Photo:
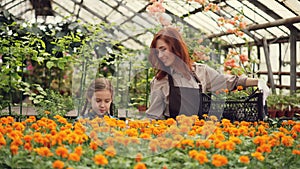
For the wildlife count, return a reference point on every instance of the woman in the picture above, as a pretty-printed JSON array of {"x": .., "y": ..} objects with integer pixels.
[{"x": 178, "y": 83}]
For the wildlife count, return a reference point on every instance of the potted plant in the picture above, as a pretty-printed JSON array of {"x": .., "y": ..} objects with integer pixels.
[
  {"x": 293, "y": 105},
  {"x": 272, "y": 102},
  {"x": 139, "y": 103}
]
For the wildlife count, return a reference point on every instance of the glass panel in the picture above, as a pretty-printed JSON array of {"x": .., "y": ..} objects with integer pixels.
[
  {"x": 98, "y": 7},
  {"x": 146, "y": 38},
  {"x": 277, "y": 8},
  {"x": 116, "y": 17},
  {"x": 135, "y": 5},
  {"x": 132, "y": 45},
  {"x": 294, "y": 5},
  {"x": 149, "y": 23},
  {"x": 125, "y": 11},
  {"x": 297, "y": 25}
]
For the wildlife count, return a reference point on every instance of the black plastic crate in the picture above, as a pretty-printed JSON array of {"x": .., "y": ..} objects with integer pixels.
[{"x": 245, "y": 109}]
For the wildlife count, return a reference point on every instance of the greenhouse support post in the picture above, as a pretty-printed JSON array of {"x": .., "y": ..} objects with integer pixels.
[
  {"x": 269, "y": 68},
  {"x": 293, "y": 61}
]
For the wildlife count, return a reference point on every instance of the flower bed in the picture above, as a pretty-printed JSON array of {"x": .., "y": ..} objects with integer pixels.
[{"x": 110, "y": 143}]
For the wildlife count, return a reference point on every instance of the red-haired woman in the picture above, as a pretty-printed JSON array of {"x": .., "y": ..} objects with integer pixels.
[{"x": 179, "y": 81}]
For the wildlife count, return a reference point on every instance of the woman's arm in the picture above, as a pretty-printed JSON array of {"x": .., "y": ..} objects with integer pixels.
[
  {"x": 251, "y": 82},
  {"x": 157, "y": 101},
  {"x": 215, "y": 80}
]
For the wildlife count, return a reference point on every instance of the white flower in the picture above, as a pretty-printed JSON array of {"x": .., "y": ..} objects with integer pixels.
[
  {"x": 109, "y": 50},
  {"x": 24, "y": 25},
  {"x": 10, "y": 32},
  {"x": 50, "y": 26},
  {"x": 42, "y": 27}
]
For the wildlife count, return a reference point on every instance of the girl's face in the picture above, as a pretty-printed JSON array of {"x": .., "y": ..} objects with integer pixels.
[
  {"x": 101, "y": 101},
  {"x": 164, "y": 53}
]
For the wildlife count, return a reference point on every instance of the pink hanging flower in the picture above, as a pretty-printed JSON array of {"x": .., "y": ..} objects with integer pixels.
[
  {"x": 229, "y": 63},
  {"x": 156, "y": 7},
  {"x": 164, "y": 21},
  {"x": 242, "y": 25},
  {"x": 243, "y": 58},
  {"x": 29, "y": 67}
]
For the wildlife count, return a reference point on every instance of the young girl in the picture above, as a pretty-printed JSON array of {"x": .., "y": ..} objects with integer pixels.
[{"x": 99, "y": 101}]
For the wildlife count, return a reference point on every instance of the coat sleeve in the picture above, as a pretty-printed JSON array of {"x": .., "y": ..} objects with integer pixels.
[
  {"x": 214, "y": 80},
  {"x": 157, "y": 100}
]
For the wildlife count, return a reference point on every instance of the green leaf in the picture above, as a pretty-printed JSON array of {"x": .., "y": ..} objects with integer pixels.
[
  {"x": 49, "y": 64},
  {"x": 35, "y": 101},
  {"x": 61, "y": 65},
  {"x": 40, "y": 59}
]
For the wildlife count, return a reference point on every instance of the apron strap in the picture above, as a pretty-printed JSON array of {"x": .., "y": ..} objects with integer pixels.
[{"x": 174, "y": 98}]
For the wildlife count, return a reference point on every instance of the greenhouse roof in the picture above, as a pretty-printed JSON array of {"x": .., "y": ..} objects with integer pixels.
[{"x": 273, "y": 20}]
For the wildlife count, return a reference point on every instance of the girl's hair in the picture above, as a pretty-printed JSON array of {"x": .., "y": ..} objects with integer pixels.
[
  {"x": 99, "y": 84},
  {"x": 178, "y": 47}
]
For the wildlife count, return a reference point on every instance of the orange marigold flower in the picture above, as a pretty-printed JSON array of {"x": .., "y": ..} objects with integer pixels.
[
  {"x": 4, "y": 120},
  {"x": 226, "y": 91},
  {"x": 201, "y": 158},
  {"x": 62, "y": 151},
  {"x": 2, "y": 140},
  {"x": 78, "y": 150},
  {"x": 100, "y": 159},
  {"x": 244, "y": 159},
  {"x": 296, "y": 152},
  {"x": 10, "y": 119},
  {"x": 110, "y": 151},
  {"x": 187, "y": 142},
  {"x": 240, "y": 87},
  {"x": 14, "y": 149},
  {"x": 93, "y": 145},
  {"x": 27, "y": 146},
  {"x": 219, "y": 160},
  {"x": 18, "y": 126},
  {"x": 58, "y": 164},
  {"x": 35, "y": 126},
  {"x": 236, "y": 140},
  {"x": 27, "y": 138},
  {"x": 287, "y": 141},
  {"x": 138, "y": 157},
  {"x": 170, "y": 121},
  {"x": 145, "y": 136},
  {"x": 193, "y": 153},
  {"x": 44, "y": 151},
  {"x": 47, "y": 112},
  {"x": 140, "y": 166},
  {"x": 264, "y": 148},
  {"x": 203, "y": 143},
  {"x": 258, "y": 156},
  {"x": 74, "y": 157}
]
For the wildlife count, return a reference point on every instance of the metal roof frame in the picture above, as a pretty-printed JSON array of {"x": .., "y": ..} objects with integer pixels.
[{"x": 191, "y": 9}]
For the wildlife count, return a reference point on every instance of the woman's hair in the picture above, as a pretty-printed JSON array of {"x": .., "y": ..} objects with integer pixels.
[
  {"x": 99, "y": 84},
  {"x": 178, "y": 47}
]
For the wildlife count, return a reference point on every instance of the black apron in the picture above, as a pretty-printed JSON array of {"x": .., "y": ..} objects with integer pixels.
[{"x": 184, "y": 100}]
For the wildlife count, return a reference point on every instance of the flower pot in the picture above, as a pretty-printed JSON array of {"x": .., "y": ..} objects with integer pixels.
[
  {"x": 280, "y": 113},
  {"x": 290, "y": 113},
  {"x": 272, "y": 113},
  {"x": 142, "y": 108}
]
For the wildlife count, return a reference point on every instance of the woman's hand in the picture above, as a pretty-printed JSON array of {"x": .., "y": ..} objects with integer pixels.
[{"x": 262, "y": 85}]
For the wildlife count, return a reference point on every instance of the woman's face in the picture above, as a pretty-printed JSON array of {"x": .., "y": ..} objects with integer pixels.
[
  {"x": 101, "y": 101},
  {"x": 164, "y": 53}
]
